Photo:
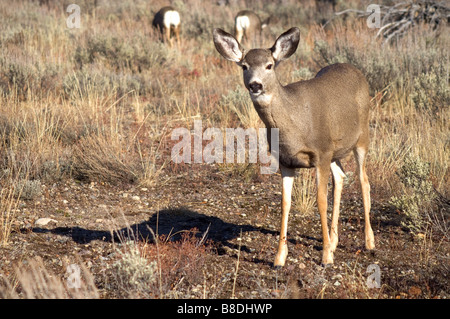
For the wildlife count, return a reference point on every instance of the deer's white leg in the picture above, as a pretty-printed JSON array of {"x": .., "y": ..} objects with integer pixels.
[
  {"x": 360, "y": 156},
  {"x": 288, "y": 181},
  {"x": 338, "y": 182},
  {"x": 322, "y": 190}
]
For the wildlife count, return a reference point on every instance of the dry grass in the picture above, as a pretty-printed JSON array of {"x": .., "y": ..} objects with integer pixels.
[
  {"x": 304, "y": 193},
  {"x": 8, "y": 205},
  {"x": 161, "y": 267}
]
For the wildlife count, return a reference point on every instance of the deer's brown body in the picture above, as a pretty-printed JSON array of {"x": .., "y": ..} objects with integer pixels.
[
  {"x": 320, "y": 121},
  {"x": 325, "y": 128}
]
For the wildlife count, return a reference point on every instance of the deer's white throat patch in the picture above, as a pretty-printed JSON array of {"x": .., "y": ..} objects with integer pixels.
[{"x": 262, "y": 98}]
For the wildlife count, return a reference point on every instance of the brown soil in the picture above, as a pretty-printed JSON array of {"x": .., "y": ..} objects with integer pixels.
[{"x": 241, "y": 220}]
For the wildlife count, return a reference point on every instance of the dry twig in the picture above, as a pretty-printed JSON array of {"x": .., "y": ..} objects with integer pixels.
[{"x": 399, "y": 18}]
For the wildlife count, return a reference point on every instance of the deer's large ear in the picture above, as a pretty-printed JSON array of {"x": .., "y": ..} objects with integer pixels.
[
  {"x": 228, "y": 46},
  {"x": 286, "y": 44}
]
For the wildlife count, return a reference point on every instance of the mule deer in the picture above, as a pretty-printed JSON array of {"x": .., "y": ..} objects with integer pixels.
[
  {"x": 320, "y": 122},
  {"x": 167, "y": 21},
  {"x": 248, "y": 26}
]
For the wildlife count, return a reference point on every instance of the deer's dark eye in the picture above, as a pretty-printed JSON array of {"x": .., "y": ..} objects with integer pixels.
[
  {"x": 269, "y": 66},
  {"x": 244, "y": 67}
]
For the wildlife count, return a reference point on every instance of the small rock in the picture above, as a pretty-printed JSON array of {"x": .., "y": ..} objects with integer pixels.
[
  {"x": 197, "y": 288},
  {"x": 136, "y": 198},
  {"x": 44, "y": 221},
  {"x": 337, "y": 277}
]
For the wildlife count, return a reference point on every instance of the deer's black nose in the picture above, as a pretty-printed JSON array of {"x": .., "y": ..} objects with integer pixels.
[{"x": 255, "y": 87}]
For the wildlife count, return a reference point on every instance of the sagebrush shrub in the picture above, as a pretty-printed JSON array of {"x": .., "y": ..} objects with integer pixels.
[
  {"x": 24, "y": 79},
  {"x": 431, "y": 91},
  {"x": 134, "y": 272},
  {"x": 419, "y": 194},
  {"x": 28, "y": 189}
]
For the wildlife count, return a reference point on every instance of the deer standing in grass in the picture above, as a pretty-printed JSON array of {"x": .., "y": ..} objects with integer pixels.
[
  {"x": 248, "y": 26},
  {"x": 320, "y": 122},
  {"x": 167, "y": 21}
]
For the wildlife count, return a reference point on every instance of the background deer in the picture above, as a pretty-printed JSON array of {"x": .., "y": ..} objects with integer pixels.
[
  {"x": 320, "y": 122},
  {"x": 167, "y": 21},
  {"x": 248, "y": 26}
]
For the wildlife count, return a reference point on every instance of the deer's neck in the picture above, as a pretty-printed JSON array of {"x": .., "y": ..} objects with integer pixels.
[{"x": 271, "y": 107}]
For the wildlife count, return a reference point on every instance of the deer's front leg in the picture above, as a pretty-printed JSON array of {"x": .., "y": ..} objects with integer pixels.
[
  {"x": 322, "y": 173},
  {"x": 288, "y": 181}
]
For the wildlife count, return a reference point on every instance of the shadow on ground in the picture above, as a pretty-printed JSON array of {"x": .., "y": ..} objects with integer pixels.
[{"x": 168, "y": 223}]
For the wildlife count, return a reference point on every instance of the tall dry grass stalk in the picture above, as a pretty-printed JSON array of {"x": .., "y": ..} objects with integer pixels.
[
  {"x": 304, "y": 192},
  {"x": 9, "y": 202}
]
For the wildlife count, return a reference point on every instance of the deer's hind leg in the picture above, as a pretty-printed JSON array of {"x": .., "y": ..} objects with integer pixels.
[
  {"x": 338, "y": 182},
  {"x": 360, "y": 157}
]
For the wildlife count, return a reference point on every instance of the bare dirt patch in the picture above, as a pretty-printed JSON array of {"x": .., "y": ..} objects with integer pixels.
[{"x": 231, "y": 228}]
